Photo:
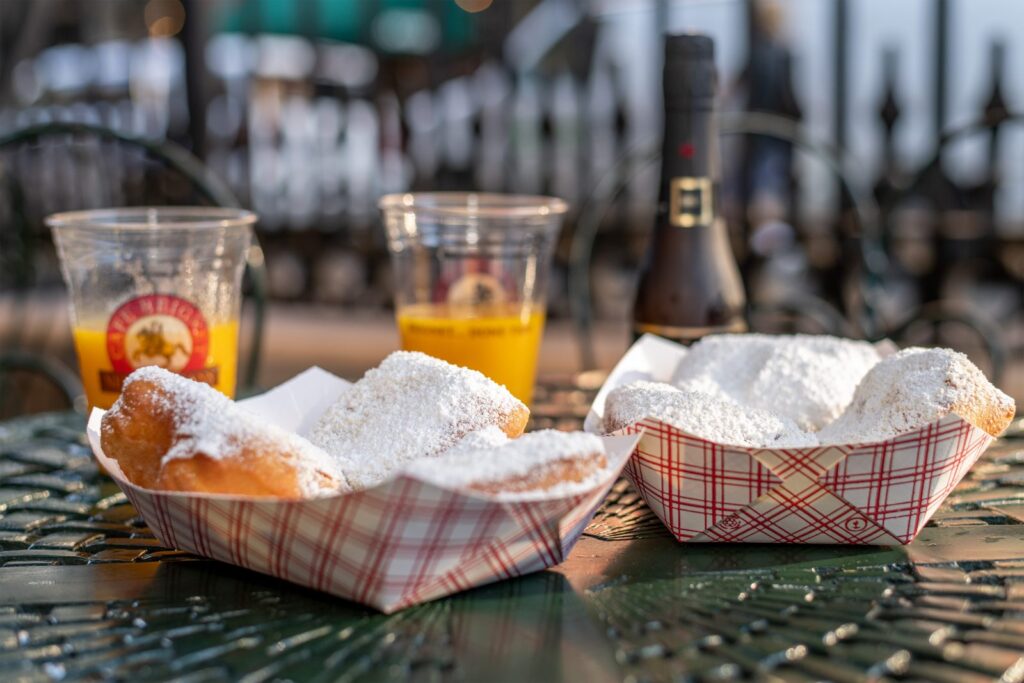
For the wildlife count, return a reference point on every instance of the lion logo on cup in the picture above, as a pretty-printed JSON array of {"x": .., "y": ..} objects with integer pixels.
[{"x": 150, "y": 345}]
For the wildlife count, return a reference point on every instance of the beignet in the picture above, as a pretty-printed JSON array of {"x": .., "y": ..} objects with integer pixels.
[{"x": 172, "y": 433}]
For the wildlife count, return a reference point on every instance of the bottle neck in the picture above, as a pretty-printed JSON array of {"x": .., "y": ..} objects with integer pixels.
[{"x": 689, "y": 167}]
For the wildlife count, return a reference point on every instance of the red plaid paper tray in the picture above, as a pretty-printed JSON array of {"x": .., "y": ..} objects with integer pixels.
[
  {"x": 403, "y": 542},
  {"x": 871, "y": 494}
]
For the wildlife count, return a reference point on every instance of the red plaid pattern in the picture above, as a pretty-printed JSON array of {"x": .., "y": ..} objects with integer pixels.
[
  {"x": 400, "y": 543},
  {"x": 391, "y": 546},
  {"x": 403, "y": 542},
  {"x": 881, "y": 493},
  {"x": 691, "y": 484},
  {"x": 900, "y": 483}
]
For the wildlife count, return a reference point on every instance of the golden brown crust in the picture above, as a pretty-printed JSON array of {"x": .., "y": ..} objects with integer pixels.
[
  {"x": 515, "y": 422},
  {"x": 990, "y": 415},
  {"x": 252, "y": 473},
  {"x": 144, "y": 427},
  {"x": 139, "y": 433},
  {"x": 567, "y": 470}
]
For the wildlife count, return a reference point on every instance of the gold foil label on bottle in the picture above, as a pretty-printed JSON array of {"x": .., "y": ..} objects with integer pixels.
[{"x": 689, "y": 202}]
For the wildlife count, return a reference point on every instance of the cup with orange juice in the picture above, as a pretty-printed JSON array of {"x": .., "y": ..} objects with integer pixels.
[
  {"x": 470, "y": 275},
  {"x": 153, "y": 286}
]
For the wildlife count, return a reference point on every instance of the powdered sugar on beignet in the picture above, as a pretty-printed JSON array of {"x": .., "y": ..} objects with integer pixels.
[
  {"x": 411, "y": 406},
  {"x": 542, "y": 463},
  {"x": 809, "y": 379},
  {"x": 481, "y": 439},
  {"x": 708, "y": 416},
  {"x": 914, "y": 388},
  {"x": 169, "y": 432}
]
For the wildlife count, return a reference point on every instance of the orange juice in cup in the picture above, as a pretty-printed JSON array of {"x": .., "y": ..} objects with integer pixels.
[
  {"x": 470, "y": 278},
  {"x": 500, "y": 342},
  {"x": 213, "y": 362},
  {"x": 153, "y": 286}
]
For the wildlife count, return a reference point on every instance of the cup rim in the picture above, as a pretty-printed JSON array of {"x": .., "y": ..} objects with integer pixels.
[
  {"x": 147, "y": 218},
  {"x": 474, "y": 204}
]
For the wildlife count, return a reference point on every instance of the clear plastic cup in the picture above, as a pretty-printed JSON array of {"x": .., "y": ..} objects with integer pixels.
[
  {"x": 471, "y": 274},
  {"x": 153, "y": 286}
]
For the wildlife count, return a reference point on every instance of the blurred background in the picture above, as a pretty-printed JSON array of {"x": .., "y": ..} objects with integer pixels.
[{"x": 873, "y": 157}]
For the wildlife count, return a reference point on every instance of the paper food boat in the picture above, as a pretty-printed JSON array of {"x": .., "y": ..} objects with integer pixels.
[
  {"x": 403, "y": 542},
  {"x": 879, "y": 493}
]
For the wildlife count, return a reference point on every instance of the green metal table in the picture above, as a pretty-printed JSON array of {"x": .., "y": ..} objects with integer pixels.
[{"x": 86, "y": 593}]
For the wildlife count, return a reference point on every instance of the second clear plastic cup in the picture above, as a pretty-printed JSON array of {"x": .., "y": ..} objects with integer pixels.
[
  {"x": 471, "y": 275},
  {"x": 153, "y": 286}
]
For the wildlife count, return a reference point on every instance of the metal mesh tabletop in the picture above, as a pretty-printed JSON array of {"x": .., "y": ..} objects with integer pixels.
[{"x": 86, "y": 592}]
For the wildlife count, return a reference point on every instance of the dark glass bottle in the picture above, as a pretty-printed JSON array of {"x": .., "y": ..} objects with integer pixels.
[{"x": 689, "y": 284}]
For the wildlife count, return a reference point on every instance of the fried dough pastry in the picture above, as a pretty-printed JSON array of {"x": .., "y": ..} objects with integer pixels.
[
  {"x": 809, "y": 379},
  {"x": 914, "y": 388},
  {"x": 171, "y": 433},
  {"x": 541, "y": 462},
  {"x": 710, "y": 416},
  {"x": 411, "y": 406}
]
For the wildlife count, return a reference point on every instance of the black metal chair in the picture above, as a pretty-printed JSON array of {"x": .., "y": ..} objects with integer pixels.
[{"x": 62, "y": 166}]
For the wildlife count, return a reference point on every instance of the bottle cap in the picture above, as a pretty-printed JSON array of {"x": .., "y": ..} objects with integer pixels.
[
  {"x": 689, "y": 46},
  {"x": 690, "y": 79}
]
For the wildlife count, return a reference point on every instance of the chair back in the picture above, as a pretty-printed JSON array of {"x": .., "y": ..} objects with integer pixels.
[{"x": 60, "y": 166}]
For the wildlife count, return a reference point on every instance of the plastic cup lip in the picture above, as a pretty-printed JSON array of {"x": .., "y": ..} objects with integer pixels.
[
  {"x": 141, "y": 219},
  {"x": 474, "y": 205}
]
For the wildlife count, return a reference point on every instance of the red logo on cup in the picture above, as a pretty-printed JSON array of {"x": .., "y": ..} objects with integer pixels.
[{"x": 157, "y": 329}]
